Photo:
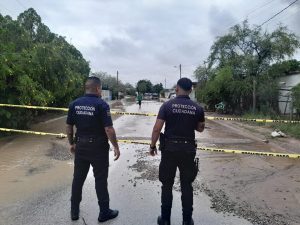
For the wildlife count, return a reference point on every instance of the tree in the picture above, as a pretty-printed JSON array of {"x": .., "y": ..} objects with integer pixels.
[
  {"x": 249, "y": 53},
  {"x": 30, "y": 21},
  {"x": 296, "y": 97},
  {"x": 157, "y": 88},
  {"x": 144, "y": 86},
  {"x": 37, "y": 67},
  {"x": 130, "y": 90},
  {"x": 110, "y": 83}
]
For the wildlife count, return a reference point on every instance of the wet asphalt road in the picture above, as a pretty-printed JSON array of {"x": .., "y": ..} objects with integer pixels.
[{"x": 133, "y": 185}]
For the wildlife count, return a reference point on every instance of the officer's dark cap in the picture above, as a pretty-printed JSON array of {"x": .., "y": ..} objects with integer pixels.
[{"x": 185, "y": 83}]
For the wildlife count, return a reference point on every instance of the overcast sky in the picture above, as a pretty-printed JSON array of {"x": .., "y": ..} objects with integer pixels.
[{"x": 145, "y": 39}]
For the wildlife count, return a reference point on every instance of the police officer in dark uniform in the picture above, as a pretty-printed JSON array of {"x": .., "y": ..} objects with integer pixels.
[
  {"x": 182, "y": 117},
  {"x": 92, "y": 118}
]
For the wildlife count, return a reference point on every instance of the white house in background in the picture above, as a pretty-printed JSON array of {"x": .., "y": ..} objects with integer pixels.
[
  {"x": 286, "y": 83},
  {"x": 106, "y": 95},
  {"x": 170, "y": 93},
  {"x": 193, "y": 93}
]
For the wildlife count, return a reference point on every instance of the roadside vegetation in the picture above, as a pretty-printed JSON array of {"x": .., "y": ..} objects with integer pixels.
[
  {"x": 243, "y": 66},
  {"x": 145, "y": 86},
  {"x": 37, "y": 67},
  {"x": 242, "y": 72},
  {"x": 111, "y": 83}
]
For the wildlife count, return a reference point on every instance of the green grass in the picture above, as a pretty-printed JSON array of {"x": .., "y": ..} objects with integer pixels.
[
  {"x": 287, "y": 128},
  {"x": 290, "y": 129},
  {"x": 263, "y": 116}
]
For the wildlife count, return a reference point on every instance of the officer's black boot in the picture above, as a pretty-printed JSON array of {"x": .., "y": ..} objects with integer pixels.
[
  {"x": 161, "y": 221},
  {"x": 190, "y": 222},
  {"x": 74, "y": 211},
  {"x": 106, "y": 213}
]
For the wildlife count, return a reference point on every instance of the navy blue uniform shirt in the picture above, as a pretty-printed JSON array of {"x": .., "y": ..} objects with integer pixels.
[
  {"x": 182, "y": 116},
  {"x": 90, "y": 114}
]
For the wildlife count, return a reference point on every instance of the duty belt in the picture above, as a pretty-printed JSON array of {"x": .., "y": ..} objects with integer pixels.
[
  {"x": 180, "y": 141},
  {"x": 89, "y": 139}
]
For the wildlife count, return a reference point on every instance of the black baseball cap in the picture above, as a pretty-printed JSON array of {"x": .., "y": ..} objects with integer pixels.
[{"x": 185, "y": 83}]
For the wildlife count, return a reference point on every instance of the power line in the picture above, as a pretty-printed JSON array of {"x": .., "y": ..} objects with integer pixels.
[
  {"x": 8, "y": 10},
  {"x": 259, "y": 7},
  {"x": 229, "y": 26},
  {"x": 286, "y": 17},
  {"x": 250, "y": 12},
  {"x": 272, "y": 17}
]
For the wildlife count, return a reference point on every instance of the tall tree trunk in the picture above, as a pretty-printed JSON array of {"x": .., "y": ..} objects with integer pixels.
[{"x": 254, "y": 96}]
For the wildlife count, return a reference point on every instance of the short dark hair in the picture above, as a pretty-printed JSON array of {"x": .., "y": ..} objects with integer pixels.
[
  {"x": 185, "y": 83},
  {"x": 92, "y": 83},
  {"x": 94, "y": 80}
]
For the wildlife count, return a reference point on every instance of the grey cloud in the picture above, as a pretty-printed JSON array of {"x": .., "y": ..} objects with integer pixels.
[
  {"x": 119, "y": 47},
  {"x": 220, "y": 20},
  {"x": 143, "y": 38}
]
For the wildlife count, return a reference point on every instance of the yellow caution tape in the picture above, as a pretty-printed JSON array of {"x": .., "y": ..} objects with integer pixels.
[
  {"x": 143, "y": 142},
  {"x": 34, "y": 107},
  {"x": 66, "y": 109},
  {"x": 61, "y": 135},
  {"x": 244, "y": 152},
  {"x": 133, "y": 113},
  {"x": 140, "y": 142},
  {"x": 154, "y": 114},
  {"x": 251, "y": 120},
  {"x": 282, "y": 155}
]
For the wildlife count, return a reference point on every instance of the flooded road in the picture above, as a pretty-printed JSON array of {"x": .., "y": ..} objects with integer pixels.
[{"x": 36, "y": 173}]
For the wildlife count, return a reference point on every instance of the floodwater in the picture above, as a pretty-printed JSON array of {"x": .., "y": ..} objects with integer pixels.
[{"x": 36, "y": 173}]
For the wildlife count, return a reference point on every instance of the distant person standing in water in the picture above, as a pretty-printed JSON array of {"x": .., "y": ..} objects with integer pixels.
[{"x": 139, "y": 99}]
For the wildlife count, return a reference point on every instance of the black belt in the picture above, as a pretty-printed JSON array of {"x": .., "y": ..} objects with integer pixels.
[
  {"x": 181, "y": 141},
  {"x": 88, "y": 139}
]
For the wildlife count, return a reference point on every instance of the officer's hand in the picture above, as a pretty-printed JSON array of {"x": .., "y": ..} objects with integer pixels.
[
  {"x": 72, "y": 149},
  {"x": 117, "y": 153},
  {"x": 153, "y": 152}
]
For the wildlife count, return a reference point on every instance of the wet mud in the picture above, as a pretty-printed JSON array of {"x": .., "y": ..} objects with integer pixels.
[
  {"x": 262, "y": 190},
  {"x": 59, "y": 151}
]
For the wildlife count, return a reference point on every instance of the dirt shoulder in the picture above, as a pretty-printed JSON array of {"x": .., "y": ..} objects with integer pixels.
[{"x": 264, "y": 190}]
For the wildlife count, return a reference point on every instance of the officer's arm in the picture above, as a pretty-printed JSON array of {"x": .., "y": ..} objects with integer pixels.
[
  {"x": 156, "y": 131},
  {"x": 111, "y": 134},
  {"x": 200, "y": 126},
  {"x": 70, "y": 133}
]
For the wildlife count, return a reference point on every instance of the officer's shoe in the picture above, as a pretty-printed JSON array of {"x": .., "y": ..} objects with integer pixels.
[
  {"x": 161, "y": 221},
  {"x": 108, "y": 215},
  {"x": 74, "y": 213},
  {"x": 191, "y": 222}
]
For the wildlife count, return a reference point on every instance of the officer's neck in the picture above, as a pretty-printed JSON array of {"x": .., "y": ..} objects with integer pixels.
[
  {"x": 183, "y": 93},
  {"x": 91, "y": 93}
]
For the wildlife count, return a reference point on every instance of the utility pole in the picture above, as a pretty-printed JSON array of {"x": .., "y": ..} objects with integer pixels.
[
  {"x": 117, "y": 85},
  {"x": 254, "y": 96},
  {"x": 180, "y": 70},
  {"x": 165, "y": 83}
]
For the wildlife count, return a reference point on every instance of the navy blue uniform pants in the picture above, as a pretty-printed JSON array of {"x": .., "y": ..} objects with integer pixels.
[
  {"x": 167, "y": 171},
  {"x": 95, "y": 154}
]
